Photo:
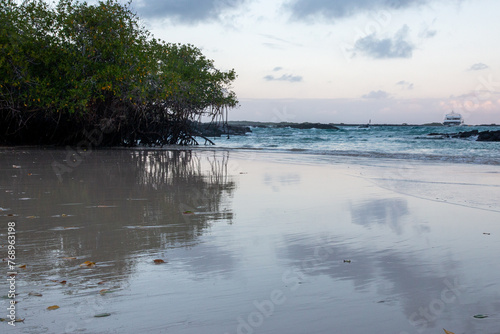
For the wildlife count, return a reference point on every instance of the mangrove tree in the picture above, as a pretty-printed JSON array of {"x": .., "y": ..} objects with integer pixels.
[{"x": 70, "y": 69}]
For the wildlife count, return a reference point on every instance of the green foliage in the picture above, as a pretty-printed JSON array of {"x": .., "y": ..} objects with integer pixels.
[{"x": 74, "y": 67}]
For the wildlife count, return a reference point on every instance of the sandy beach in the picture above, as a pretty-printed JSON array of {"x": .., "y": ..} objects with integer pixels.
[{"x": 250, "y": 242}]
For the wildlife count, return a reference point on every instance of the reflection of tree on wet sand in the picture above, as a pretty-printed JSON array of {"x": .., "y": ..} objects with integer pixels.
[
  {"x": 190, "y": 182},
  {"x": 116, "y": 208}
]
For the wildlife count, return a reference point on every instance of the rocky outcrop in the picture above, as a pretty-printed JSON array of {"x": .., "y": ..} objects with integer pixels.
[
  {"x": 481, "y": 135},
  {"x": 308, "y": 126},
  {"x": 489, "y": 136},
  {"x": 217, "y": 130}
]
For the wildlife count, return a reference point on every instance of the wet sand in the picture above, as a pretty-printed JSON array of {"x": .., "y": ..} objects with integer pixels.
[{"x": 251, "y": 243}]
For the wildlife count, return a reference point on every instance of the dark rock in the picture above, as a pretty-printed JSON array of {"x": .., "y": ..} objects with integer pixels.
[
  {"x": 466, "y": 134},
  {"x": 433, "y": 124},
  {"x": 481, "y": 136},
  {"x": 217, "y": 130},
  {"x": 489, "y": 136},
  {"x": 309, "y": 126},
  {"x": 237, "y": 130}
]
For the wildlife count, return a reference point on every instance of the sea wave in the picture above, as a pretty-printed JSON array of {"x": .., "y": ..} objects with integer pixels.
[{"x": 387, "y": 142}]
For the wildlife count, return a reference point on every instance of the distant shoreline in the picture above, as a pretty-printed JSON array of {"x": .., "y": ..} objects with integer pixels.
[{"x": 284, "y": 124}]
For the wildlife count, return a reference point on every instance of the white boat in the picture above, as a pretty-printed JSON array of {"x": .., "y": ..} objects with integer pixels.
[{"x": 453, "y": 119}]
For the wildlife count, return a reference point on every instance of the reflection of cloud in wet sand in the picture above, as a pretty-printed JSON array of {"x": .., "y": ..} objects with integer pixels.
[
  {"x": 277, "y": 181},
  {"x": 387, "y": 211},
  {"x": 400, "y": 274},
  {"x": 398, "y": 277},
  {"x": 204, "y": 260}
]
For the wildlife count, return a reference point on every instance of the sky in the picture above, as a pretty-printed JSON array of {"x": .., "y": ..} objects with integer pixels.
[{"x": 338, "y": 61}]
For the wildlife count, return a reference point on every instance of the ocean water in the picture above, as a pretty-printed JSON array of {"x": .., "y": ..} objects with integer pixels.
[{"x": 392, "y": 142}]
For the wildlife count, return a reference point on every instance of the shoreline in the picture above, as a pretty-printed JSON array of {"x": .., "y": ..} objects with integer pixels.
[
  {"x": 317, "y": 154},
  {"x": 396, "y": 174},
  {"x": 434, "y": 124}
]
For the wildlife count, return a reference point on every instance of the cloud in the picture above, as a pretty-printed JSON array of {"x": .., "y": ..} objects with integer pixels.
[
  {"x": 379, "y": 94},
  {"x": 405, "y": 84},
  {"x": 396, "y": 47},
  {"x": 478, "y": 67},
  {"x": 187, "y": 11},
  {"x": 428, "y": 33},
  {"x": 284, "y": 77},
  {"x": 273, "y": 46},
  {"x": 278, "y": 43},
  {"x": 335, "y": 9}
]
